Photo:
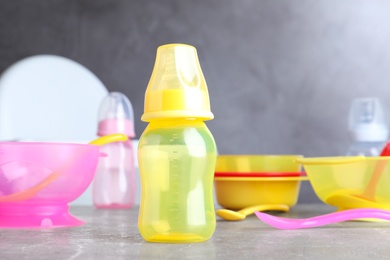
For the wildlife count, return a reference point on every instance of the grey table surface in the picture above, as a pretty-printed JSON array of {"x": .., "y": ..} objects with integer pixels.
[{"x": 113, "y": 234}]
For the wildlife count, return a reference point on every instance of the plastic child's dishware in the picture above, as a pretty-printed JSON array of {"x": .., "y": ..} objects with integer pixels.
[
  {"x": 350, "y": 182},
  {"x": 367, "y": 197},
  {"x": 30, "y": 192},
  {"x": 38, "y": 180},
  {"x": 367, "y": 127},
  {"x": 227, "y": 214},
  {"x": 352, "y": 214},
  {"x": 107, "y": 139},
  {"x": 114, "y": 184},
  {"x": 26, "y": 194},
  {"x": 176, "y": 152},
  {"x": 236, "y": 193},
  {"x": 368, "y": 194},
  {"x": 59, "y": 104},
  {"x": 259, "y": 174},
  {"x": 386, "y": 149},
  {"x": 246, "y": 165}
]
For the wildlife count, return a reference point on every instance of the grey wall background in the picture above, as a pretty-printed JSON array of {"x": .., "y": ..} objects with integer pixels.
[{"x": 281, "y": 74}]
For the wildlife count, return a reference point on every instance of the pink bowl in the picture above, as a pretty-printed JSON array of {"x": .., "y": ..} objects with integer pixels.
[{"x": 38, "y": 180}]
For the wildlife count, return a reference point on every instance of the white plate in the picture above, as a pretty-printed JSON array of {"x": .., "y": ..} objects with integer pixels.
[{"x": 49, "y": 98}]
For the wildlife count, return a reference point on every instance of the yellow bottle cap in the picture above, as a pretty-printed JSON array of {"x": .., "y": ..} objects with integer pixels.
[{"x": 177, "y": 88}]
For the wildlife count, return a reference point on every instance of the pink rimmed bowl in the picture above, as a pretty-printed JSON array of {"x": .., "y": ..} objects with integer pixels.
[{"x": 38, "y": 180}]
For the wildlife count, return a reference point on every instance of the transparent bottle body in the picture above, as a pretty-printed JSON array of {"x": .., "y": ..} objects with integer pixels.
[
  {"x": 366, "y": 149},
  {"x": 114, "y": 182},
  {"x": 177, "y": 163}
]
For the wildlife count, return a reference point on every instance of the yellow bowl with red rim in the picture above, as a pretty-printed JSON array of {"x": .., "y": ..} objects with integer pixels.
[{"x": 247, "y": 180}]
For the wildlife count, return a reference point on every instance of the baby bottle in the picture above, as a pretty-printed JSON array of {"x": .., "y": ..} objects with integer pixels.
[
  {"x": 114, "y": 182},
  {"x": 367, "y": 126},
  {"x": 176, "y": 152}
]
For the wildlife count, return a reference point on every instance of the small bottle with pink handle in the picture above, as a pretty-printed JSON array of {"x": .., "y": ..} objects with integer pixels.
[{"x": 114, "y": 182}]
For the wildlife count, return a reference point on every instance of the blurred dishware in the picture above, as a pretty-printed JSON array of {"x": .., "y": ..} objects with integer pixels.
[
  {"x": 350, "y": 182},
  {"x": 352, "y": 214},
  {"x": 227, "y": 214},
  {"x": 49, "y": 98},
  {"x": 243, "y": 181},
  {"x": 236, "y": 193},
  {"x": 255, "y": 164},
  {"x": 40, "y": 179}
]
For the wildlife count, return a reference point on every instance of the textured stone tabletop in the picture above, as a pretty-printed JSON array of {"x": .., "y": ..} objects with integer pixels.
[{"x": 113, "y": 234}]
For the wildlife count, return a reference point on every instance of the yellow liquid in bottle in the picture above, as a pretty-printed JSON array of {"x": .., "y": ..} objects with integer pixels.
[{"x": 177, "y": 166}]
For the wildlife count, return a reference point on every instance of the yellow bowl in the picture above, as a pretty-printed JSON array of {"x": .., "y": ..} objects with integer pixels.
[
  {"x": 350, "y": 182},
  {"x": 239, "y": 192},
  {"x": 257, "y": 163}
]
